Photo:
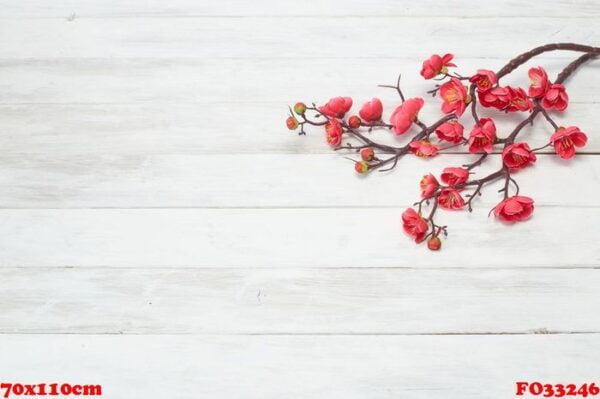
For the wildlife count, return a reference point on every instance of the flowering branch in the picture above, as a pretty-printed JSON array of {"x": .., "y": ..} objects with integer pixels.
[{"x": 457, "y": 189}]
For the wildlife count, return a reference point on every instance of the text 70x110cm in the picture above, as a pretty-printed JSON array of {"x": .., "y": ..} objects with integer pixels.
[{"x": 15, "y": 389}]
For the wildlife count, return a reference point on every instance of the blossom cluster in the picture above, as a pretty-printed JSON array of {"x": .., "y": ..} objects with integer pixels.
[{"x": 455, "y": 188}]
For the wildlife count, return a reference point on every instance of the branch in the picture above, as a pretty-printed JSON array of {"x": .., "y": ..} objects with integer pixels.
[{"x": 523, "y": 58}]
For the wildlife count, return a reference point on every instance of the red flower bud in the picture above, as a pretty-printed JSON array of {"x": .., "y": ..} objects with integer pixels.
[
  {"x": 423, "y": 148},
  {"x": 367, "y": 154},
  {"x": 497, "y": 97},
  {"x": 361, "y": 167},
  {"x": 403, "y": 117},
  {"x": 451, "y": 131},
  {"x": 539, "y": 82},
  {"x": 354, "y": 122},
  {"x": 514, "y": 209},
  {"x": 291, "y": 123},
  {"x": 436, "y": 64},
  {"x": 300, "y": 108},
  {"x": 336, "y": 107},
  {"x": 414, "y": 225},
  {"x": 372, "y": 110},
  {"x": 556, "y": 97},
  {"x": 434, "y": 243},
  {"x": 333, "y": 132},
  {"x": 429, "y": 185}
]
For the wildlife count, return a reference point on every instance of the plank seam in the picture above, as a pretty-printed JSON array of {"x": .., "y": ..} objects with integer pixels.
[
  {"x": 316, "y": 334},
  {"x": 302, "y": 268},
  {"x": 250, "y": 207},
  {"x": 74, "y": 16}
]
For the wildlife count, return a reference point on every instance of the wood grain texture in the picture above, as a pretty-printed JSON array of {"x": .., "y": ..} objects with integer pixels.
[
  {"x": 186, "y": 106},
  {"x": 298, "y": 301},
  {"x": 281, "y": 37},
  {"x": 359, "y": 237},
  {"x": 266, "y": 180},
  {"x": 135, "y": 129},
  {"x": 356, "y": 367},
  {"x": 156, "y": 214},
  {"x": 274, "y": 8},
  {"x": 279, "y": 81}
]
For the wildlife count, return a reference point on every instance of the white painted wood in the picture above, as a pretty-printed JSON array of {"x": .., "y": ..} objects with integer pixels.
[
  {"x": 154, "y": 104},
  {"x": 267, "y": 180},
  {"x": 354, "y": 367},
  {"x": 130, "y": 106},
  {"x": 234, "y": 81},
  {"x": 554, "y": 237},
  {"x": 277, "y": 301},
  {"x": 59, "y": 130},
  {"x": 285, "y": 37},
  {"x": 274, "y": 8}
]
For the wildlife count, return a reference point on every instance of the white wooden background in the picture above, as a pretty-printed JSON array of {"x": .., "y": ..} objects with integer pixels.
[{"x": 164, "y": 235}]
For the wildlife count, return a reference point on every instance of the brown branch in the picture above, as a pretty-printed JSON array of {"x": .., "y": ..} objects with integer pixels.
[
  {"x": 568, "y": 71},
  {"x": 473, "y": 103},
  {"x": 562, "y": 76},
  {"x": 476, "y": 185},
  {"x": 523, "y": 58}
]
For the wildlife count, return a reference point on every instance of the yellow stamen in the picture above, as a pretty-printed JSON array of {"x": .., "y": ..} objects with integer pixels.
[
  {"x": 567, "y": 142},
  {"x": 451, "y": 96}
]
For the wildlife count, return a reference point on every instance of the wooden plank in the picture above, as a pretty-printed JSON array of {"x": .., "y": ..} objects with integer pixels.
[
  {"x": 290, "y": 238},
  {"x": 354, "y": 367},
  {"x": 282, "y": 37},
  {"x": 309, "y": 301},
  {"x": 273, "y": 8},
  {"x": 264, "y": 180},
  {"x": 206, "y": 81},
  {"x": 180, "y": 106},
  {"x": 63, "y": 130}
]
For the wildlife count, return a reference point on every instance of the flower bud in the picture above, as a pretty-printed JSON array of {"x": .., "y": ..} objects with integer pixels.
[
  {"x": 292, "y": 123},
  {"x": 300, "y": 108},
  {"x": 361, "y": 167},
  {"x": 354, "y": 122},
  {"x": 434, "y": 243},
  {"x": 367, "y": 154}
]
